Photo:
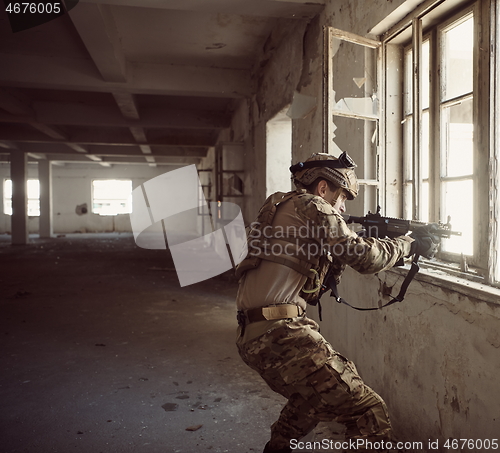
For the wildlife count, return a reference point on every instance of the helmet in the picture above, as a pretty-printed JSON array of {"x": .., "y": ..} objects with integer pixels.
[{"x": 339, "y": 171}]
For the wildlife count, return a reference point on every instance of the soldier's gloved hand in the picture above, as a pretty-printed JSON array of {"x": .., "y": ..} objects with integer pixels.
[{"x": 425, "y": 242}]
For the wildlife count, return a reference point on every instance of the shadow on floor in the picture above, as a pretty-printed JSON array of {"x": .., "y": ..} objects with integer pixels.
[{"x": 102, "y": 351}]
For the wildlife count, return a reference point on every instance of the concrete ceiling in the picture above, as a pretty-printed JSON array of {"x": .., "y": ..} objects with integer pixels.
[{"x": 133, "y": 81}]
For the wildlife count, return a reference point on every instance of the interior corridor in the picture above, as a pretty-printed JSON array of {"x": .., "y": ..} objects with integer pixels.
[{"x": 103, "y": 351}]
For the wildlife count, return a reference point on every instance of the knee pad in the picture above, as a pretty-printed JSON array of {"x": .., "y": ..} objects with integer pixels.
[{"x": 375, "y": 422}]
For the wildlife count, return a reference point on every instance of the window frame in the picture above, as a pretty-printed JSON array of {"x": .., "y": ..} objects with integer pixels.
[
  {"x": 432, "y": 13},
  {"x": 478, "y": 130},
  {"x": 494, "y": 15},
  {"x": 371, "y": 163},
  {"x": 93, "y": 197},
  {"x": 28, "y": 198}
]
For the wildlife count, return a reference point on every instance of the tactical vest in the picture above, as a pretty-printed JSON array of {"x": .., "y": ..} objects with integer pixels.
[{"x": 266, "y": 242}]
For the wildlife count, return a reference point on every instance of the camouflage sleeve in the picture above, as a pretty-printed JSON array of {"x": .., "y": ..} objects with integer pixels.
[{"x": 365, "y": 255}]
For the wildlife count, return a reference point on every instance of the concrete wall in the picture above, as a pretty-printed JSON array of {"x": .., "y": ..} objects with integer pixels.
[
  {"x": 433, "y": 357},
  {"x": 276, "y": 80},
  {"x": 72, "y": 186}
]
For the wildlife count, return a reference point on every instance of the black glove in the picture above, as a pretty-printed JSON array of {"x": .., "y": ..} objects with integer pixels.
[{"x": 426, "y": 243}]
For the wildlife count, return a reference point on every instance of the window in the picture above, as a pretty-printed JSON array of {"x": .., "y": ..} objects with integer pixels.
[
  {"x": 450, "y": 48},
  {"x": 278, "y": 153},
  {"x": 352, "y": 110},
  {"x": 205, "y": 189},
  {"x": 445, "y": 125},
  {"x": 33, "y": 197},
  {"x": 111, "y": 197}
]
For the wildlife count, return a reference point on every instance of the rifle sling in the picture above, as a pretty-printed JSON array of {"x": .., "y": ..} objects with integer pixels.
[
  {"x": 399, "y": 298},
  {"x": 406, "y": 282}
]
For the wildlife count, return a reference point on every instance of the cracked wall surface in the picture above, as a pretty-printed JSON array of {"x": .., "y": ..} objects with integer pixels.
[{"x": 433, "y": 357}]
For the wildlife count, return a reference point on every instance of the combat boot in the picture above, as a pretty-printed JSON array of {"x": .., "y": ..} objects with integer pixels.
[{"x": 268, "y": 449}]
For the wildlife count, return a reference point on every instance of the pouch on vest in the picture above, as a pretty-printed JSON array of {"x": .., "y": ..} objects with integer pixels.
[{"x": 255, "y": 232}]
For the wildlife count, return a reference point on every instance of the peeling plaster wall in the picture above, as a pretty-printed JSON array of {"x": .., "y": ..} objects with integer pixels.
[
  {"x": 276, "y": 77},
  {"x": 434, "y": 357},
  {"x": 361, "y": 17}
]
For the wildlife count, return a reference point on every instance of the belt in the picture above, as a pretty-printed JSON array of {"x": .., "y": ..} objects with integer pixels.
[{"x": 269, "y": 313}]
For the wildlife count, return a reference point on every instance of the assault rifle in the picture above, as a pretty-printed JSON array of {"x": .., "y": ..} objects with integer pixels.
[{"x": 377, "y": 226}]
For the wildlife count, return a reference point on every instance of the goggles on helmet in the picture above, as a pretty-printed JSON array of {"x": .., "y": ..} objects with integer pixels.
[{"x": 343, "y": 161}]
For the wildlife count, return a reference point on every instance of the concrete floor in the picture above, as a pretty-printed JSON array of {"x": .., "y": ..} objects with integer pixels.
[{"x": 102, "y": 351}]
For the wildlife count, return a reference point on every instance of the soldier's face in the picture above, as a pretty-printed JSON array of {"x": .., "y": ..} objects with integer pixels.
[
  {"x": 336, "y": 198},
  {"x": 339, "y": 203}
]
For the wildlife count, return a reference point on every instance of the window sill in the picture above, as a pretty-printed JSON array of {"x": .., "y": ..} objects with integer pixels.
[{"x": 443, "y": 279}]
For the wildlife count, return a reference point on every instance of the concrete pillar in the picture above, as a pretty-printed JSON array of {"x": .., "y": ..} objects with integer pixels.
[
  {"x": 19, "y": 176},
  {"x": 45, "y": 178}
]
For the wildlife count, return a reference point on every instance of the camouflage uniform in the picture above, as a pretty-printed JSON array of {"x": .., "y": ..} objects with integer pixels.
[{"x": 290, "y": 354}]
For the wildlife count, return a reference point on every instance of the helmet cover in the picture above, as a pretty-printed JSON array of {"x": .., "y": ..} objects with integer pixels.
[{"x": 339, "y": 171}]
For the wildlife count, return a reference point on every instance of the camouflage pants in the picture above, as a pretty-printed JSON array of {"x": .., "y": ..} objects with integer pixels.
[{"x": 319, "y": 383}]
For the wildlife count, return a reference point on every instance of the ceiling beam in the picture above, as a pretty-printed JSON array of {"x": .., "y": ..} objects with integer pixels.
[
  {"x": 37, "y": 156},
  {"x": 95, "y": 25},
  {"x": 79, "y": 74},
  {"x": 49, "y": 131},
  {"x": 127, "y": 105},
  {"x": 18, "y": 107},
  {"x": 94, "y": 158},
  {"x": 74, "y": 114},
  {"x": 8, "y": 144},
  {"x": 181, "y": 161},
  {"x": 140, "y": 137},
  {"x": 103, "y": 154},
  {"x": 139, "y": 134},
  {"x": 4, "y": 159},
  {"x": 75, "y": 146},
  {"x": 13, "y": 103},
  {"x": 157, "y": 151},
  {"x": 84, "y": 138},
  {"x": 122, "y": 151},
  {"x": 98, "y": 160}
]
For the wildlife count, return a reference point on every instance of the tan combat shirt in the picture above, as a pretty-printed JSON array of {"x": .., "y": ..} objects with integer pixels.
[{"x": 310, "y": 215}]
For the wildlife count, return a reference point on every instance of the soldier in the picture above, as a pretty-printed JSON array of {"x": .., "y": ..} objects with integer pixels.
[{"x": 297, "y": 237}]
